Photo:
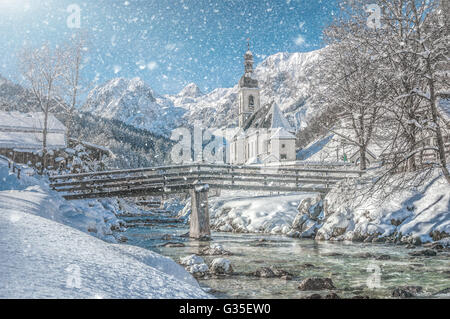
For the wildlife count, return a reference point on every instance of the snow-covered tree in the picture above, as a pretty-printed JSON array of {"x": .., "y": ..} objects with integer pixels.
[
  {"x": 395, "y": 67},
  {"x": 73, "y": 53},
  {"x": 350, "y": 87},
  {"x": 42, "y": 69}
]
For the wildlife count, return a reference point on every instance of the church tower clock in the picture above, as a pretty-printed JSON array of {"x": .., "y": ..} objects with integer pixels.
[{"x": 249, "y": 100}]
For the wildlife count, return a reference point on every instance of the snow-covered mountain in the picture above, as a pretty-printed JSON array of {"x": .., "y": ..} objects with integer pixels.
[
  {"x": 14, "y": 97},
  {"x": 284, "y": 79},
  {"x": 133, "y": 102}
]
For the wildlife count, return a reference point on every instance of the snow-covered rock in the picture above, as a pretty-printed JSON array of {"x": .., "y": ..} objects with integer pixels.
[
  {"x": 195, "y": 265},
  {"x": 254, "y": 214},
  {"x": 191, "y": 260},
  {"x": 415, "y": 215},
  {"x": 215, "y": 250},
  {"x": 221, "y": 266}
]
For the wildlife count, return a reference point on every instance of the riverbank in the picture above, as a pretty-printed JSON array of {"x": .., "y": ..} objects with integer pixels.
[
  {"x": 49, "y": 249},
  {"x": 356, "y": 210}
]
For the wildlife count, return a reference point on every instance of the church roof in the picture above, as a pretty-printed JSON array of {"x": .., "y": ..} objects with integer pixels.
[
  {"x": 281, "y": 133},
  {"x": 279, "y": 120}
]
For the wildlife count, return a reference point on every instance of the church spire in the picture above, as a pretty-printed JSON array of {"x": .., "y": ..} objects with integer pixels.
[{"x": 248, "y": 59}]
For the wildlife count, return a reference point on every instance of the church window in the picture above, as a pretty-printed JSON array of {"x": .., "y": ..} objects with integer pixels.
[
  {"x": 283, "y": 145},
  {"x": 251, "y": 101},
  {"x": 283, "y": 156}
]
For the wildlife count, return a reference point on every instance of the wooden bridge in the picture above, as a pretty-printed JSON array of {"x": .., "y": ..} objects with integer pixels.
[{"x": 197, "y": 180}]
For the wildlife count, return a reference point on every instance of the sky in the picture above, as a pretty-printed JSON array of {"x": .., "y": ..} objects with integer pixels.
[{"x": 167, "y": 43}]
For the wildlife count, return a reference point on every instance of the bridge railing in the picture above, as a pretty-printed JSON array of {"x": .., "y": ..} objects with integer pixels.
[
  {"x": 182, "y": 178},
  {"x": 200, "y": 166}
]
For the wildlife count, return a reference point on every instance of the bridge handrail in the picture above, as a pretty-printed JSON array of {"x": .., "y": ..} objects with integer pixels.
[
  {"x": 198, "y": 174},
  {"x": 200, "y": 165},
  {"x": 206, "y": 180}
]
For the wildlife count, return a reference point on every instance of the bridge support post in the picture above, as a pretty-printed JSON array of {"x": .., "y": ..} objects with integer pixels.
[{"x": 199, "y": 224}]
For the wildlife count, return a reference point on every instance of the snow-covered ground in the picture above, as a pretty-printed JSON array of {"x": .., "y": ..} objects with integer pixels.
[
  {"x": 411, "y": 214},
  {"x": 261, "y": 213},
  {"x": 47, "y": 251},
  {"x": 414, "y": 215}
]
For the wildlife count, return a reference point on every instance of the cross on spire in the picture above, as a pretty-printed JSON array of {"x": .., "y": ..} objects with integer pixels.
[{"x": 248, "y": 43}]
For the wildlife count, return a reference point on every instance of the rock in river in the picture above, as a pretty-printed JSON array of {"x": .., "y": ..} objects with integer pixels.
[
  {"x": 316, "y": 283},
  {"x": 406, "y": 291},
  {"x": 264, "y": 272},
  {"x": 272, "y": 272},
  {"x": 424, "y": 252},
  {"x": 221, "y": 266},
  {"x": 215, "y": 250}
]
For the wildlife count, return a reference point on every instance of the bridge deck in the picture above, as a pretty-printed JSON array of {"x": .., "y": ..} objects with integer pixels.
[{"x": 156, "y": 181}]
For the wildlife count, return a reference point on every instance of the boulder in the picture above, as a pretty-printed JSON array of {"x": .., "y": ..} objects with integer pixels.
[
  {"x": 272, "y": 272},
  {"x": 265, "y": 272},
  {"x": 423, "y": 253},
  {"x": 406, "y": 291},
  {"x": 316, "y": 283},
  {"x": 215, "y": 250},
  {"x": 221, "y": 266},
  {"x": 191, "y": 260},
  {"x": 280, "y": 272},
  {"x": 198, "y": 270}
]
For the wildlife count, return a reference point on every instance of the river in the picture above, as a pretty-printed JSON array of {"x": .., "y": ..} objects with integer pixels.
[{"x": 356, "y": 269}]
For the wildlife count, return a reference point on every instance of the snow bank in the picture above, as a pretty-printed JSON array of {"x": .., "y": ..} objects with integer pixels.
[
  {"x": 253, "y": 214},
  {"x": 47, "y": 252},
  {"x": 96, "y": 217},
  {"x": 45, "y": 259},
  {"x": 414, "y": 215}
]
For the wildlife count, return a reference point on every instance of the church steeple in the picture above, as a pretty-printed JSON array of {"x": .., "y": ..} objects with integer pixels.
[
  {"x": 247, "y": 79},
  {"x": 248, "y": 60},
  {"x": 249, "y": 100}
]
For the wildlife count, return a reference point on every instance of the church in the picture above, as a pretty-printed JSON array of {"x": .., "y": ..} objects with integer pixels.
[{"x": 265, "y": 135}]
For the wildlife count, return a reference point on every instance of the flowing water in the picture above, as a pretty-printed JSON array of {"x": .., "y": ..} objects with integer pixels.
[{"x": 353, "y": 267}]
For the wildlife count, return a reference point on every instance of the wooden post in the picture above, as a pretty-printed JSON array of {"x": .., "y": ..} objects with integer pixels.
[{"x": 199, "y": 225}]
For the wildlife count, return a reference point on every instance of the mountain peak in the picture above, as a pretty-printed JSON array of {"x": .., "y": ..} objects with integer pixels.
[{"x": 190, "y": 90}]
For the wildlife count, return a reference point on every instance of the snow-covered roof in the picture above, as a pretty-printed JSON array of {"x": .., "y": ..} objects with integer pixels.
[
  {"x": 92, "y": 146},
  {"x": 253, "y": 161},
  {"x": 29, "y": 122},
  {"x": 281, "y": 133},
  {"x": 279, "y": 120},
  {"x": 31, "y": 141}
]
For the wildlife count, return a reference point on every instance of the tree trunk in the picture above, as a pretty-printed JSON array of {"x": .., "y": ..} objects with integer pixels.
[
  {"x": 363, "y": 158},
  {"x": 437, "y": 128}
]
